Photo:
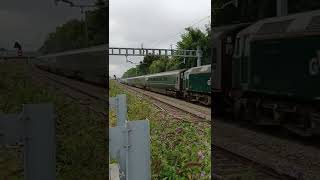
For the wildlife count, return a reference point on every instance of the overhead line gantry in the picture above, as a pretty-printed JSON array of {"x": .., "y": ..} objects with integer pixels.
[{"x": 118, "y": 51}]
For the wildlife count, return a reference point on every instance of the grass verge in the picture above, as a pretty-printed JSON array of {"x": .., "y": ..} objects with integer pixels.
[
  {"x": 179, "y": 149},
  {"x": 81, "y": 151}
]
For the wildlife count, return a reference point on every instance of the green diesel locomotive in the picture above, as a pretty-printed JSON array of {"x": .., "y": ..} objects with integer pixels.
[{"x": 268, "y": 72}]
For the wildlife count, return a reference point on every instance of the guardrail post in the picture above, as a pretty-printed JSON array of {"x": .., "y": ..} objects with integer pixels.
[
  {"x": 120, "y": 104},
  {"x": 129, "y": 143},
  {"x": 121, "y": 109},
  {"x": 35, "y": 128},
  {"x": 39, "y": 142}
]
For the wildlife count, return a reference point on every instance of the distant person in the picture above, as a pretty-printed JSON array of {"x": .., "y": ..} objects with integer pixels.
[
  {"x": 18, "y": 47},
  {"x": 115, "y": 77}
]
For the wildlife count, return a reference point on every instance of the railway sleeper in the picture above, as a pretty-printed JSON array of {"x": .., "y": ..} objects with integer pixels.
[{"x": 173, "y": 93}]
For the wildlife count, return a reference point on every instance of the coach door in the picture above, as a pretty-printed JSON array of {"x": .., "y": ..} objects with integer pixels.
[
  {"x": 186, "y": 80},
  {"x": 180, "y": 80}
]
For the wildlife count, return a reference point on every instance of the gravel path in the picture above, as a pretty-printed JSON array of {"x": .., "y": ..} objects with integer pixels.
[{"x": 196, "y": 110}]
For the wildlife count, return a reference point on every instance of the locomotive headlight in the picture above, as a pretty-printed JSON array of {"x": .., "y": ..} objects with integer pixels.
[{"x": 209, "y": 82}]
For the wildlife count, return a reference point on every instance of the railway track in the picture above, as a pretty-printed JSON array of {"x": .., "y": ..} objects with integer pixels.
[
  {"x": 93, "y": 97},
  {"x": 229, "y": 165},
  {"x": 192, "y": 109}
]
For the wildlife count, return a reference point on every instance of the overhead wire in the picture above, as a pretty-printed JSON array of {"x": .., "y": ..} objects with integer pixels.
[{"x": 174, "y": 35}]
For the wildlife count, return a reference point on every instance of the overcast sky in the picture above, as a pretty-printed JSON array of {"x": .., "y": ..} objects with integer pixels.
[
  {"x": 156, "y": 24},
  {"x": 29, "y": 21}
]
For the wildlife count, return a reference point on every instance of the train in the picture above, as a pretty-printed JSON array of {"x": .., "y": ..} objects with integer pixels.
[
  {"x": 268, "y": 72},
  {"x": 265, "y": 72},
  {"x": 87, "y": 64},
  {"x": 91, "y": 65},
  {"x": 192, "y": 84}
]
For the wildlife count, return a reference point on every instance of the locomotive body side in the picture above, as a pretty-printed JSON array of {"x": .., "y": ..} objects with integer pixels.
[
  {"x": 293, "y": 63},
  {"x": 276, "y": 69},
  {"x": 197, "y": 84}
]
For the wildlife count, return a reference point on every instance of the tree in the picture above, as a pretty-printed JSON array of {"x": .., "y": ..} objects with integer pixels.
[
  {"x": 144, "y": 66},
  {"x": 71, "y": 35},
  {"x": 67, "y": 36},
  {"x": 159, "y": 65},
  {"x": 130, "y": 73},
  {"x": 97, "y": 24},
  {"x": 191, "y": 39}
]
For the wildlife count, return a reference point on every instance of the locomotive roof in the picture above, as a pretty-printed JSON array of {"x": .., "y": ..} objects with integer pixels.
[
  {"x": 217, "y": 32},
  {"x": 300, "y": 22},
  {"x": 200, "y": 69}
]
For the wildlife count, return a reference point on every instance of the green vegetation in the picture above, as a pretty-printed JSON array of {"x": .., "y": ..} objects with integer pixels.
[
  {"x": 179, "y": 149},
  {"x": 72, "y": 34},
  {"x": 80, "y": 134},
  {"x": 192, "y": 38}
]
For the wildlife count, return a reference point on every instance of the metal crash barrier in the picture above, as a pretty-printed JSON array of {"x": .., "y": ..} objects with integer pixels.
[
  {"x": 35, "y": 128},
  {"x": 129, "y": 144}
]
